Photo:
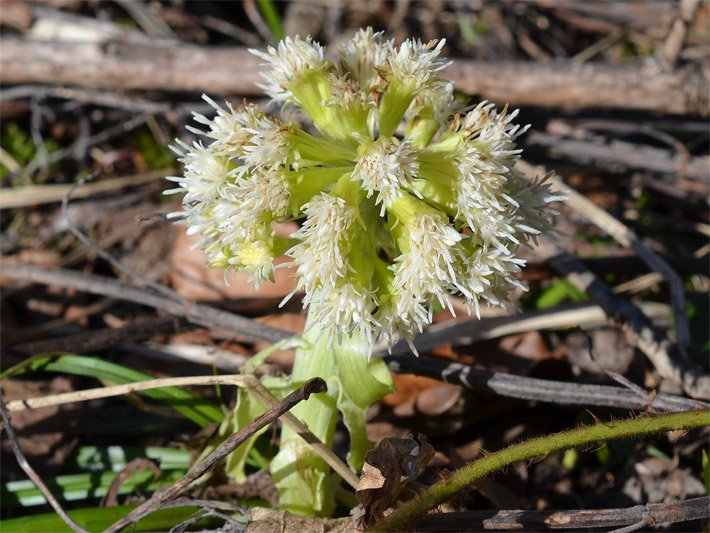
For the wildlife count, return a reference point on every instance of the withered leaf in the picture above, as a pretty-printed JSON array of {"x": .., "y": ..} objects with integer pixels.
[{"x": 389, "y": 468}]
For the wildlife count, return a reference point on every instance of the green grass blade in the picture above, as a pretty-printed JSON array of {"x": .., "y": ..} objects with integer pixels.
[
  {"x": 99, "y": 518},
  {"x": 77, "y": 487},
  {"x": 272, "y": 18},
  {"x": 192, "y": 406},
  {"x": 115, "y": 458}
]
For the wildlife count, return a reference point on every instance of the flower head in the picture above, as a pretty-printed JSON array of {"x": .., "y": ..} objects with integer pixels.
[
  {"x": 292, "y": 59},
  {"x": 386, "y": 167},
  {"x": 406, "y": 197}
]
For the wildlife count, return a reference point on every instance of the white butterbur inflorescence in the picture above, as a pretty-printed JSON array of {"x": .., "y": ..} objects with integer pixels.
[{"x": 406, "y": 197}]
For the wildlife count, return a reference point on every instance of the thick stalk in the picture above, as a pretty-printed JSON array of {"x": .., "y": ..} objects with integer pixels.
[
  {"x": 445, "y": 489},
  {"x": 298, "y": 472},
  {"x": 354, "y": 383}
]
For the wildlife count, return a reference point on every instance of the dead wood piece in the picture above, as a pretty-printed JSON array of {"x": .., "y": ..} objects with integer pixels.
[
  {"x": 238, "y": 327},
  {"x": 44, "y": 194},
  {"x": 244, "y": 329},
  {"x": 625, "y": 265},
  {"x": 122, "y": 65},
  {"x": 584, "y": 86},
  {"x": 463, "y": 332},
  {"x": 657, "y": 513},
  {"x": 621, "y": 152},
  {"x": 612, "y": 303},
  {"x": 312, "y": 386},
  {"x": 138, "y": 278},
  {"x": 526, "y": 388},
  {"x": 609, "y": 15},
  {"x": 676, "y": 37},
  {"x": 146, "y": 19}
]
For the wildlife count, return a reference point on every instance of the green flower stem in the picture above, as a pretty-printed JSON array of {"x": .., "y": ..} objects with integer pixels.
[
  {"x": 300, "y": 475},
  {"x": 354, "y": 383},
  {"x": 445, "y": 489}
]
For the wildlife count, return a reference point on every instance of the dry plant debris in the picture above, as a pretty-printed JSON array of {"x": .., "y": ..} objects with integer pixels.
[{"x": 104, "y": 291}]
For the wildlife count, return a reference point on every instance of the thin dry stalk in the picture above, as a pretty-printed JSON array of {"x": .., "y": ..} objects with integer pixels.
[
  {"x": 251, "y": 383},
  {"x": 639, "y": 330},
  {"x": 627, "y": 238},
  {"x": 44, "y": 194},
  {"x": 241, "y": 328},
  {"x": 27, "y": 468},
  {"x": 311, "y": 386}
]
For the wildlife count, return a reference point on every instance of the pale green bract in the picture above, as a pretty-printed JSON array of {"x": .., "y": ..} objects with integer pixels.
[{"x": 406, "y": 197}]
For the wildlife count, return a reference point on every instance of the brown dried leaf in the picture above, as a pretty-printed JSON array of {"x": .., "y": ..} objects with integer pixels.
[
  {"x": 407, "y": 388},
  {"x": 270, "y": 520},
  {"x": 194, "y": 280},
  {"x": 16, "y": 14},
  {"x": 43, "y": 434},
  {"x": 389, "y": 468}
]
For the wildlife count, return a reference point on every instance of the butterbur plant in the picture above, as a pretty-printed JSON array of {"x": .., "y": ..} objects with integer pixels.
[{"x": 405, "y": 197}]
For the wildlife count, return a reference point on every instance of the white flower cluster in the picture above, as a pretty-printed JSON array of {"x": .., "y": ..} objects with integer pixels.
[{"x": 407, "y": 197}]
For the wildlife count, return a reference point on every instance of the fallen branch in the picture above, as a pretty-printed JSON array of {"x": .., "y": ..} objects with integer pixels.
[
  {"x": 95, "y": 340},
  {"x": 44, "y": 194},
  {"x": 541, "y": 390},
  {"x": 616, "y": 152},
  {"x": 240, "y": 328},
  {"x": 444, "y": 490},
  {"x": 627, "y": 238},
  {"x": 247, "y": 330},
  {"x": 466, "y": 331},
  {"x": 178, "y": 67},
  {"x": 639, "y": 330},
  {"x": 312, "y": 386},
  {"x": 651, "y": 514}
]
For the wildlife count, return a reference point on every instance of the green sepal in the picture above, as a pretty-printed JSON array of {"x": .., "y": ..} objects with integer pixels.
[
  {"x": 312, "y": 90},
  {"x": 395, "y": 102}
]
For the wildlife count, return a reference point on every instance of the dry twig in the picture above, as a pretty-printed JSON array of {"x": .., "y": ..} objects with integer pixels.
[
  {"x": 312, "y": 386},
  {"x": 22, "y": 460},
  {"x": 656, "y": 513},
  {"x": 44, "y": 194},
  {"x": 250, "y": 382},
  {"x": 138, "y": 279},
  {"x": 673, "y": 44},
  {"x": 638, "y": 328},
  {"x": 627, "y": 238},
  {"x": 247, "y": 330},
  {"x": 466, "y": 331},
  {"x": 541, "y": 390},
  {"x": 238, "y": 327},
  {"x": 95, "y": 340}
]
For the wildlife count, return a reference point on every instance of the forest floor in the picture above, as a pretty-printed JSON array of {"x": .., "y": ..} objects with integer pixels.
[{"x": 616, "y": 93}]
